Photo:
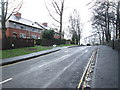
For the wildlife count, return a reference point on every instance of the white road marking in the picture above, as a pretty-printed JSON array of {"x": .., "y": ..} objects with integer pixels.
[
  {"x": 66, "y": 51},
  {"x": 6, "y": 81},
  {"x": 48, "y": 84},
  {"x": 63, "y": 57},
  {"x": 59, "y": 59}
]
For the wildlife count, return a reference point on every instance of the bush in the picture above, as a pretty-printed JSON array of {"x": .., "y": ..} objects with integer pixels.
[
  {"x": 50, "y": 42},
  {"x": 48, "y": 34},
  {"x": 38, "y": 41}
]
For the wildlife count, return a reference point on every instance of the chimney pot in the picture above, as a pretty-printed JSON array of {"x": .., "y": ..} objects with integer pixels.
[
  {"x": 18, "y": 15},
  {"x": 45, "y": 24}
]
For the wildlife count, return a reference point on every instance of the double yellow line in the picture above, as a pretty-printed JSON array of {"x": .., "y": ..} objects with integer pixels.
[{"x": 86, "y": 69}]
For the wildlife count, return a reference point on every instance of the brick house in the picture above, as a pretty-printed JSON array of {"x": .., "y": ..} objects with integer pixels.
[
  {"x": 46, "y": 27},
  {"x": 22, "y": 28},
  {"x": 19, "y": 27}
]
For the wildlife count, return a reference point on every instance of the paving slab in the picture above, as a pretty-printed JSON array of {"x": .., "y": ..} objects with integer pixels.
[{"x": 106, "y": 68}]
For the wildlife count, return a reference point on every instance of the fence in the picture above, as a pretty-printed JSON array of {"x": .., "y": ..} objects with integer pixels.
[
  {"x": 50, "y": 42},
  {"x": 10, "y": 43}
]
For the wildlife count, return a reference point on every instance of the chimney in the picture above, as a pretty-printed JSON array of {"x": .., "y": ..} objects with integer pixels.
[
  {"x": 18, "y": 15},
  {"x": 45, "y": 24}
]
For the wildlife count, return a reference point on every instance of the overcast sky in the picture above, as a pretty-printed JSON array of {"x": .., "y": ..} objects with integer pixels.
[{"x": 35, "y": 10}]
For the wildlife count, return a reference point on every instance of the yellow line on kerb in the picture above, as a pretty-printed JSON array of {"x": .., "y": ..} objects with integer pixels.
[{"x": 81, "y": 80}]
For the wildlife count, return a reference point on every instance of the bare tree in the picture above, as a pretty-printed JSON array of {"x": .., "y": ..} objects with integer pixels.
[
  {"x": 58, "y": 9},
  {"x": 75, "y": 27},
  {"x": 104, "y": 18},
  {"x": 118, "y": 21},
  {"x": 5, "y": 16}
]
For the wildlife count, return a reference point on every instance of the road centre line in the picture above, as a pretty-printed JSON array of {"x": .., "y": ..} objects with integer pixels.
[
  {"x": 59, "y": 59},
  {"x": 48, "y": 63},
  {"x": 45, "y": 86},
  {"x": 25, "y": 60},
  {"x": 54, "y": 60},
  {"x": 63, "y": 58},
  {"x": 6, "y": 80}
]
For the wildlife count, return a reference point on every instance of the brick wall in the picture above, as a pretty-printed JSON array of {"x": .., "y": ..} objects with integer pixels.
[{"x": 10, "y": 31}]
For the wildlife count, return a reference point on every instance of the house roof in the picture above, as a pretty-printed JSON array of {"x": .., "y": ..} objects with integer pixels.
[
  {"x": 29, "y": 23},
  {"x": 42, "y": 26},
  {"x": 24, "y": 21}
]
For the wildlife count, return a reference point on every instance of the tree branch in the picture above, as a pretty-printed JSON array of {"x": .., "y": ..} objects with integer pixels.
[
  {"x": 51, "y": 14},
  {"x": 55, "y": 8},
  {"x": 57, "y": 5},
  {"x": 16, "y": 8}
]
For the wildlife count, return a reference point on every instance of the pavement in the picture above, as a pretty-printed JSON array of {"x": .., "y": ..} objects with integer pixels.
[
  {"x": 31, "y": 55},
  {"x": 106, "y": 68}
]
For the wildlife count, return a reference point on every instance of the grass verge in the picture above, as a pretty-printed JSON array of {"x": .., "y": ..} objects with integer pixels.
[
  {"x": 27, "y": 50},
  {"x": 21, "y": 51}
]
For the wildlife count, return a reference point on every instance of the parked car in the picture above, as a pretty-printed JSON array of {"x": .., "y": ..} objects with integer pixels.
[{"x": 88, "y": 44}]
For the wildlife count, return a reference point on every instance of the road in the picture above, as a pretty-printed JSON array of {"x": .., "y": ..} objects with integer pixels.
[{"x": 61, "y": 69}]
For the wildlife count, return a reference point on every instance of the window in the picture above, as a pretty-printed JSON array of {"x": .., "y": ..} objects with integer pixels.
[
  {"x": 34, "y": 36},
  {"x": 14, "y": 24},
  {"x": 21, "y": 27},
  {"x": 28, "y": 28},
  {"x": 39, "y": 31},
  {"x": 33, "y": 29},
  {"x": 14, "y": 34},
  {"x": 22, "y": 35}
]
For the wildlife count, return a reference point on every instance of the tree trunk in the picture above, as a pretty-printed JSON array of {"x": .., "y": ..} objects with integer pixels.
[
  {"x": 102, "y": 37},
  {"x": 118, "y": 22},
  {"x": 3, "y": 20},
  {"x": 107, "y": 16},
  {"x": 61, "y": 14},
  {"x": 79, "y": 36},
  {"x": 106, "y": 32},
  {"x": 118, "y": 18}
]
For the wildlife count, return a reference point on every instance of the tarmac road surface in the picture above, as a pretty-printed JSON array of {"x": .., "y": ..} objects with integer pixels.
[{"x": 61, "y": 69}]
